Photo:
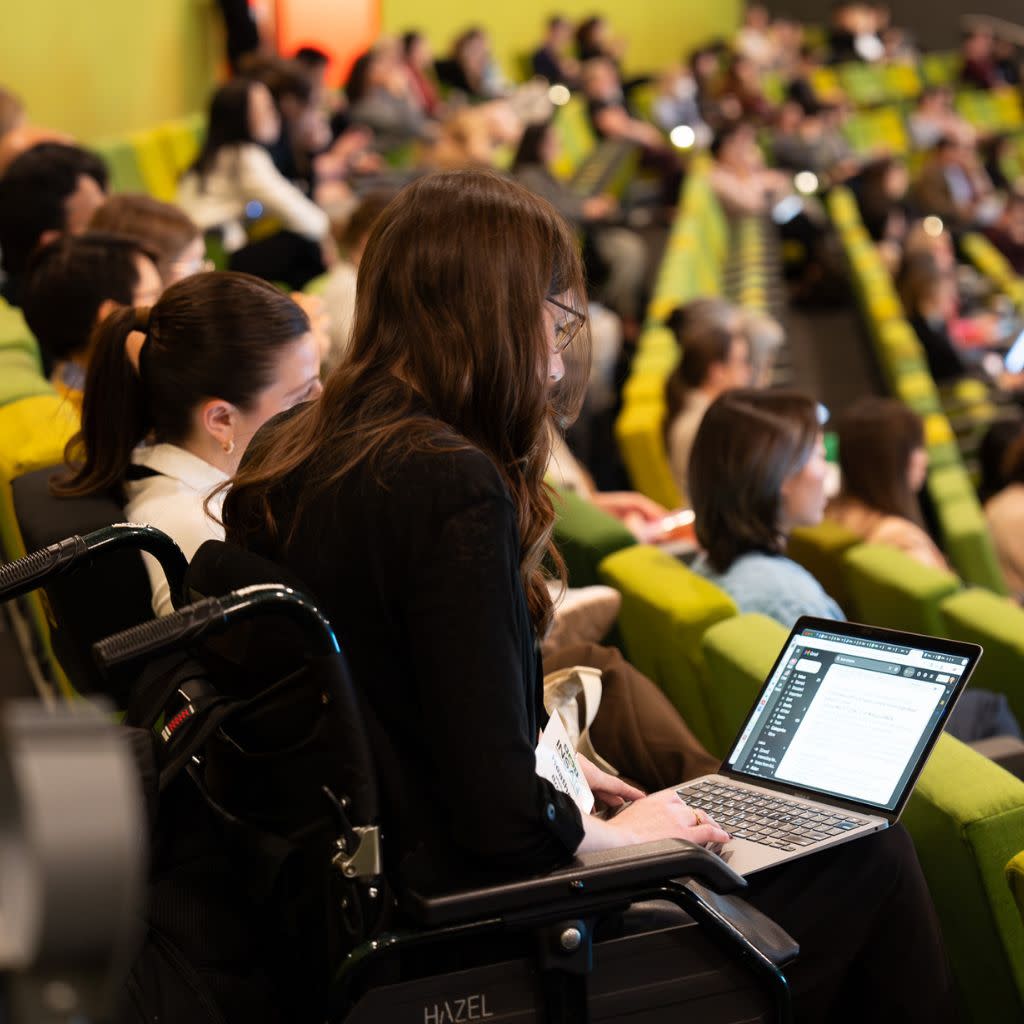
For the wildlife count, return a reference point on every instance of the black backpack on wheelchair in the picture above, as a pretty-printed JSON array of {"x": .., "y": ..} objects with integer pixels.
[{"x": 268, "y": 897}]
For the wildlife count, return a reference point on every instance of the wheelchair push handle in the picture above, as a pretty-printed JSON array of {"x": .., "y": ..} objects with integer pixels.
[
  {"x": 212, "y": 615},
  {"x": 26, "y": 574},
  {"x": 36, "y": 569}
]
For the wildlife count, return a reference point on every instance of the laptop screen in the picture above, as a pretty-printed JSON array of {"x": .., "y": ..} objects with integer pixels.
[{"x": 851, "y": 712}]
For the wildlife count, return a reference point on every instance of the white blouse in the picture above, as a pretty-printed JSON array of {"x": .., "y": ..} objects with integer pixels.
[
  {"x": 173, "y": 502},
  {"x": 242, "y": 175}
]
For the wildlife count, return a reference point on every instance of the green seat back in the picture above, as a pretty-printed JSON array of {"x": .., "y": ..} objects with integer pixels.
[
  {"x": 981, "y": 617},
  {"x": 739, "y": 652},
  {"x": 819, "y": 549},
  {"x": 1015, "y": 879},
  {"x": 123, "y": 163},
  {"x": 21, "y": 370},
  {"x": 183, "y": 138},
  {"x": 888, "y": 588},
  {"x": 585, "y": 535},
  {"x": 666, "y": 610},
  {"x": 966, "y": 817},
  {"x": 968, "y": 544},
  {"x": 639, "y": 432},
  {"x": 155, "y": 159}
]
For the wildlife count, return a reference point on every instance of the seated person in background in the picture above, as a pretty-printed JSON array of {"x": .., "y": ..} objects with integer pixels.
[
  {"x": 715, "y": 358},
  {"x": 175, "y": 392},
  {"x": 742, "y": 86},
  {"x": 954, "y": 186},
  {"x": 419, "y": 67},
  {"x": 884, "y": 464},
  {"x": 594, "y": 40},
  {"x": 1007, "y": 234},
  {"x": 622, "y": 251},
  {"x": 234, "y": 178},
  {"x": 73, "y": 285},
  {"x": 930, "y": 298},
  {"x": 980, "y": 68},
  {"x": 551, "y": 60},
  {"x": 677, "y": 103},
  {"x": 757, "y": 470},
  {"x": 163, "y": 230},
  {"x": 881, "y": 192},
  {"x": 339, "y": 293},
  {"x": 379, "y": 96},
  {"x": 739, "y": 177},
  {"x": 50, "y": 190},
  {"x": 471, "y": 69},
  {"x": 1002, "y": 462},
  {"x": 808, "y": 142},
  {"x": 933, "y": 119},
  {"x": 609, "y": 114},
  {"x": 800, "y": 88},
  {"x": 755, "y": 41},
  {"x": 304, "y": 130}
]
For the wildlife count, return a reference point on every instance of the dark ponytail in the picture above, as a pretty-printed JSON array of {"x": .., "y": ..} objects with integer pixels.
[{"x": 210, "y": 335}]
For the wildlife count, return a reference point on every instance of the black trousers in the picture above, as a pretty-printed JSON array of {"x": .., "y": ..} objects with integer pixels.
[
  {"x": 284, "y": 257},
  {"x": 870, "y": 945}
]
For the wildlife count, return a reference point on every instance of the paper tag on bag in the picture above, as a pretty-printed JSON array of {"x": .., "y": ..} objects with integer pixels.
[{"x": 556, "y": 762}]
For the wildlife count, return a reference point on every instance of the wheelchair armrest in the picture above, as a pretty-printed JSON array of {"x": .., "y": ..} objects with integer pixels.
[
  {"x": 732, "y": 913},
  {"x": 612, "y": 873}
]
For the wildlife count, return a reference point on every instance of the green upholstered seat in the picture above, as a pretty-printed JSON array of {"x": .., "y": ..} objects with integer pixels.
[
  {"x": 966, "y": 538},
  {"x": 967, "y": 819},
  {"x": 123, "y": 163},
  {"x": 1015, "y": 879},
  {"x": 735, "y": 651},
  {"x": 819, "y": 549},
  {"x": 888, "y": 588},
  {"x": 666, "y": 610},
  {"x": 585, "y": 535},
  {"x": 996, "y": 623}
]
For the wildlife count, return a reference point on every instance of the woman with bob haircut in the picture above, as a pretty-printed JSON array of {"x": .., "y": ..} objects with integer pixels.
[
  {"x": 884, "y": 465},
  {"x": 757, "y": 470},
  {"x": 411, "y": 502}
]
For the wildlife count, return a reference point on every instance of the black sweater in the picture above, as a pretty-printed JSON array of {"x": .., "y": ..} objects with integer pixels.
[{"x": 419, "y": 574}]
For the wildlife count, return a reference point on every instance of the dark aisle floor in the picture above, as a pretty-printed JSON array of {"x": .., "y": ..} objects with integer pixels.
[{"x": 830, "y": 355}]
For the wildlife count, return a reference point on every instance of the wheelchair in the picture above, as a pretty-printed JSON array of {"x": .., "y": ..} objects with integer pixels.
[{"x": 251, "y": 724}]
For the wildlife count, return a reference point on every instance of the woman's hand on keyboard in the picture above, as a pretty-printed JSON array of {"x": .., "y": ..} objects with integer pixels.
[{"x": 663, "y": 815}]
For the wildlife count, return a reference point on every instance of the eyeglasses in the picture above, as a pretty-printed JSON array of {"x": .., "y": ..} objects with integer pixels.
[{"x": 566, "y": 331}]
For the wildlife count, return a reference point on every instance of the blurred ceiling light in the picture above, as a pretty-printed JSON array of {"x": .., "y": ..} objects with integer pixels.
[
  {"x": 683, "y": 136},
  {"x": 559, "y": 95}
]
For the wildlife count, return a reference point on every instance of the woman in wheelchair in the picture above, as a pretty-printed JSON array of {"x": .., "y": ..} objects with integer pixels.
[
  {"x": 411, "y": 502},
  {"x": 175, "y": 392}
]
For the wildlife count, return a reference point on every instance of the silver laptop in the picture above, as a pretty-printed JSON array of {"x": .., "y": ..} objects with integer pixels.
[{"x": 834, "y": 742}]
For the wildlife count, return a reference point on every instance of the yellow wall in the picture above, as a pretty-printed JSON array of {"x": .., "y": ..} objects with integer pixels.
[
  {"x": 96, "y": 68},
  {"x": 658, "y": 31},
  {"x": 102, "y": 67}
]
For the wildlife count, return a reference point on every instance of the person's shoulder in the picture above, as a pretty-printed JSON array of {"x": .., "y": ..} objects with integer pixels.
[
  {"x": 451, "y": 469},
  {"x": 763, "y": 572}
]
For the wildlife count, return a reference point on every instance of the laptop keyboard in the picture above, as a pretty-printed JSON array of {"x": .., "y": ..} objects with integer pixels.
[{"x": 761, "y": 817}]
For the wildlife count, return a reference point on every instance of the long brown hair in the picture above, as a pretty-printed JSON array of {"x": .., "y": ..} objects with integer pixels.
[
  {"x": 748, "y": 443},
  {"x": 449, "y": 346},
  {"x": 877, "y": 436}
]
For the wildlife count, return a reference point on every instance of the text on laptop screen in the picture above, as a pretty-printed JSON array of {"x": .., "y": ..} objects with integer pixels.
[{"x": 847, "y": 716}]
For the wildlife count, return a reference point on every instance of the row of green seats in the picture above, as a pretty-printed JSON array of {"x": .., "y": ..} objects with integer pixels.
[
  {"x": 992, "y": 264},
  {"x": 966, "y": 816},
  {"x": 153, "y": 161},
  {"x": 965, "y": 535}
]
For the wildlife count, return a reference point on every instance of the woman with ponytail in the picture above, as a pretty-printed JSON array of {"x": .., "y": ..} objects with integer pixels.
[{"x": 174, "y": 393}]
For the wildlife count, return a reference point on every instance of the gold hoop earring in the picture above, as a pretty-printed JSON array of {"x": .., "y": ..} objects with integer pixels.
[{"x": 229, "y": 448}]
